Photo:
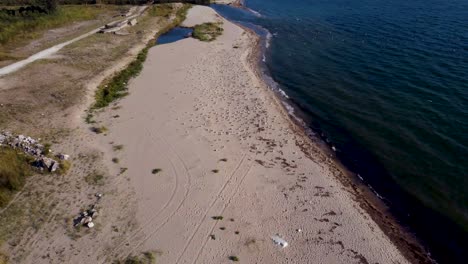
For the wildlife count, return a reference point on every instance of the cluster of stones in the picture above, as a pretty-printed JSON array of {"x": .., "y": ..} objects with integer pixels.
[
  {"x": 85, "y": 218},
  {"x": 33, "y": 148}
]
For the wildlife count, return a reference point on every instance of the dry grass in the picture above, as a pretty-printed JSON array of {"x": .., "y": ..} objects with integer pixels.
[
  {"x": 95, "y": 178},
  {"x": 14, "y": 168}
]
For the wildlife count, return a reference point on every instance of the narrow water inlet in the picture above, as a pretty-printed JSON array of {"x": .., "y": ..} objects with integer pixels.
[{"x": 174, "y": 35}]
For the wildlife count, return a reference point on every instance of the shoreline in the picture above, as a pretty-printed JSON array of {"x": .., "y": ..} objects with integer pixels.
[
  {"x": 401, "y": 236},
  {"x": 285, "y": 141},
  {"x": 368, "y": 199}
]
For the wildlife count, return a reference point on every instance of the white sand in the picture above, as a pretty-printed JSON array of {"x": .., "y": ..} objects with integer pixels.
[{"x": 196, "y": 103}]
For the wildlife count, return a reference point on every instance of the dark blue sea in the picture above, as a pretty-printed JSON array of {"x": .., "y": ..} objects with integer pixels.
[{"x": 386, "y": 83}]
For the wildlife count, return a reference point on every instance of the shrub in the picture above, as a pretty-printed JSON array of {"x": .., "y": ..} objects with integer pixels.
[
  {"x": 207, "y": 31},
  {"x": 155, "y": 171}
]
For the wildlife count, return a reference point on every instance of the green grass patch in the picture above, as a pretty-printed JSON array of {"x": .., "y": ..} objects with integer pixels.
[
  {"x": 14, "y": 168},
  {"x": 161, "y": 10},
  {"x": 15, "y": 28},
  {"x": 233, "y": 258},
  {"x": 207, "y": 31},
  {"x": 217, "y": 217}
]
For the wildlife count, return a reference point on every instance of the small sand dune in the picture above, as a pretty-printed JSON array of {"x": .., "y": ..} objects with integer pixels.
[{"x": 225, "y": 148}]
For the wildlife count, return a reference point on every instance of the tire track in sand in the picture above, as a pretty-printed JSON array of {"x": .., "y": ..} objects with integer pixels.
[
  {"x": 160, "y": 211},
  {"x": 166, "y": 220},
  {"x": 221, "y": 190},
  {"x": 222, "y": 212}
]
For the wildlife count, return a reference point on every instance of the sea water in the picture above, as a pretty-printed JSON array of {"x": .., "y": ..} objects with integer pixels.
[{"x": 385, "y": 83}]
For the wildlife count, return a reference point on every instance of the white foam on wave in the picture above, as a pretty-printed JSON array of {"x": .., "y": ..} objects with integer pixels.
[
  {"x": 268, "y": 39},
  {"x": 283, "y": 93},
  {"x": 257, "y": 14}
]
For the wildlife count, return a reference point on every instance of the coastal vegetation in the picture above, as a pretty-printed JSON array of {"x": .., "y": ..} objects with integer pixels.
[
  {"x": 29, "y": 25},
  {"x": 116, "y": 87},
  {"x": 207, "y": 31},
  {"x": 14, "y": 168}
]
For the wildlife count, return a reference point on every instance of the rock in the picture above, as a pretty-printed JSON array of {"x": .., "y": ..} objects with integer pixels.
[
  {"x": 132, "y": 22},
  {"x": 279, "y": 241},
  {"x": 93, "y": 213},
  {"x": 90, "y": 225},
  {"x": 63, "y": 156},
  {"x": 54, "y": 166},
  {"x": 88, "y": 219}
]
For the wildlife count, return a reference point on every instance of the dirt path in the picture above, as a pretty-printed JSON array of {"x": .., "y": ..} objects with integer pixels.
[{"x": 52, "y": 50}]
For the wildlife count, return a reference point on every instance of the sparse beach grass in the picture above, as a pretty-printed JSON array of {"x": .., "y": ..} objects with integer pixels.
[
  {"x": 95, "y": 178},
  {"x": 117, "y": 147},
  {"x": 99, "y": 130},
  {"x": 144, "y": 258},
  {"x": 207, "y": 31},
  {"x": 161, "y": 10}
]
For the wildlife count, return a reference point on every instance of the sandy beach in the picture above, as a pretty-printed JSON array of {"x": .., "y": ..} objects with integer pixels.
[{"x": 223, "y": 146}]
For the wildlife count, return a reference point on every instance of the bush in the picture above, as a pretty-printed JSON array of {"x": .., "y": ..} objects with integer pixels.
[{"x": 207, "y": 31}]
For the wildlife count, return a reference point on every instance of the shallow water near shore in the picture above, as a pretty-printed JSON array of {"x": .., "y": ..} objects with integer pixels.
[
  {"x": 385, "y": 84},
  {"x": 173, "y": 35}
]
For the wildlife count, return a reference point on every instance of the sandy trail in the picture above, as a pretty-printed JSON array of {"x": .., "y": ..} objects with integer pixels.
[
  {"x": 198, "y": 112},
  {"x": 54, "y": 49}
]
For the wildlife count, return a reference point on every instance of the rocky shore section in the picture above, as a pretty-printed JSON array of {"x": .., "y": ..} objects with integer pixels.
[{"x": 32, "y": 147}]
